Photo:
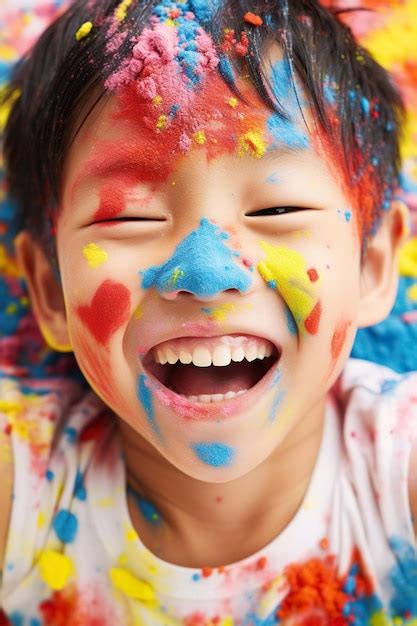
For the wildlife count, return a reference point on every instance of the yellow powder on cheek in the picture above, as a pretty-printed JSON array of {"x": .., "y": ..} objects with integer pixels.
[
  {"x": 285, "y": 269},
  {"x": 94, "y": 255}
]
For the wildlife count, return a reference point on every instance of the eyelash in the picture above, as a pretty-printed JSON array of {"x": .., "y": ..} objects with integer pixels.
[{"x": 276, "y": 210}]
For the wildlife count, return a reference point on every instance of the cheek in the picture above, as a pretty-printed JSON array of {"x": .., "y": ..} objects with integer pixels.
[
  {"x": 287, "y": 271},
  {"x": 108, "y": 310}
]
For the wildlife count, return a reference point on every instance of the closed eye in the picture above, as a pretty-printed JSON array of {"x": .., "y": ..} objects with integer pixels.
[
  {"x": 117, "y": 220},
  {"x": 276, "y": 210}
]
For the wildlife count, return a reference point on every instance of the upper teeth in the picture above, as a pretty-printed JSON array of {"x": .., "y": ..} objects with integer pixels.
[{"x": 220, "y": 355}]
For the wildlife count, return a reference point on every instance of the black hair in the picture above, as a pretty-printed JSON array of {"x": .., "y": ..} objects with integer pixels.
[{"x": 353, "y": 99}]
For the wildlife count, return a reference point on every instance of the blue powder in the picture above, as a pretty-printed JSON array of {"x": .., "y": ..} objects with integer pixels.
[
  {"x": 226, "y": 70},
  {"x": 49, "y": 475},
  {"x": 285, "y": 131},
  {"x": 272, "y": 179},
  {"x": 145, "y": 397},
  {"x": 201, "y": 264},
  {"x": 403, "y": 577},
  {"x": 147, "y": 508},
  {"x": 279, "y": 396},
  {"x": 196, "y": 577},
  {"x": 16, "y": 619},
  {"x": 365, "y": 106},
  {"x": 291, "y": 323},
  {"x": 71, "y": 434},
  {"x": 65, "y": 525},
  {"x": 392, "y": 342},
  {"x": 214, "y": 453},
  {"x": 348, "y": 216},
  {"x": 205, "y": 10},
  {"x": 80, "y": 491}
]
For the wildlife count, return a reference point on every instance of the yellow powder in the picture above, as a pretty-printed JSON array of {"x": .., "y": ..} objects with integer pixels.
[
  {"x": 7, "y": 106},
  {"x": 287, "y": 269},
  {"x": 52, "y": 342},
  {"x": 131, "y": 586},
  {"x": 121, "y": 11},
  {"x": 412, "y": 293},
  {"x": 162, "y": 122},
  {"x": 40, "y": 522},
  {"x": 157, "y": 100},
  {"x": 200, "y": 137},
  {"x": 252, "y": 143},
  {"x": 94, "y": 255},
  {"x": 55, "y": 569},
  {"x": 220, "y": 312},
  {"x": 408, "y": 258},
  {"x": 83, "y": 31},
  {"x": 232, "y": 102}
]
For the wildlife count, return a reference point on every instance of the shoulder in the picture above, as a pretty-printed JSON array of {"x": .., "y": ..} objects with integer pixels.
[{"x": 33, "y": 413}]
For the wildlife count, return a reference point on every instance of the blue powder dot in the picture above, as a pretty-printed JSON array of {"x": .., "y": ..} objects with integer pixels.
[
  {"x": 214, "y": 453},
  {"x": 49, "y": 475},
  {"x": 365, "y": 105},
  {"x": 35, "y": 622},
  {"x": 145, "y": 397},
  {"x": 16, "y": 619},
  {"x": 80, "y": 491},
  {"x": 348, "y": 216},
  {"x": 65, "y": 525},
  {"x": 196, "y": 577},
  {"x": 147, "y": 508},
  {"x": 71, "y": 434}
]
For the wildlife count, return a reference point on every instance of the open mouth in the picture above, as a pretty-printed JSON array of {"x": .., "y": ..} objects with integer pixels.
[{"x": 211, "y": 369}]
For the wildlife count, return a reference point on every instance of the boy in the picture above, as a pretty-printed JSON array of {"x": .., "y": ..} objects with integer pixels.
[{"x": 208, "y": 216}]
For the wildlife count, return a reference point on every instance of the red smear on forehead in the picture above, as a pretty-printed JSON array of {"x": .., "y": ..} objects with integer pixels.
[
  {"x": 109, "y": 309},
  {"x": 313, "y": 320},
  {"x": 150, "y": 155}
]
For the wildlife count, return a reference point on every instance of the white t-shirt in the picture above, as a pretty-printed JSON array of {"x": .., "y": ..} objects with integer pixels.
[{"x": 348, "y": 557}]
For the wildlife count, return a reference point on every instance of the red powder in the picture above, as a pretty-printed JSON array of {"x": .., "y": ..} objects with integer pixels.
[
  {"x": 313, "y": 275},
  {"x": 66, "y": 607},
  {"x": 242, "y": 46},
  {"x": 313, "y": 320},
  {"x": 4, "y": 621},
  {"x": 339, "y": 338},
  {"x": 207, "y": 571},
  {"x": 324, "y": 543},
  {"x": 108, "y": 310},
  {"x": 95, "y": 429},
  {"x": 253, "y": 19},
  {"x": 261, "y": 563}
]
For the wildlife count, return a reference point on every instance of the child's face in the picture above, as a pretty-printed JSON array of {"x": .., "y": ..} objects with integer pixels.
[{"x": 148, "y": 273}]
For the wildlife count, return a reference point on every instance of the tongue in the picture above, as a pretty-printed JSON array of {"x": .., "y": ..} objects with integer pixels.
[{"x": 189, "y": 380}]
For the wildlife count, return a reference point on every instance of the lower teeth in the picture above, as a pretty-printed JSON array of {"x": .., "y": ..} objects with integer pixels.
[{"x": 216, "y": 397}]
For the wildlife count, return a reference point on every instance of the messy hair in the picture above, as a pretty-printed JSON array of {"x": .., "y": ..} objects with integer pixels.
[{"x": 355, "y": 105}]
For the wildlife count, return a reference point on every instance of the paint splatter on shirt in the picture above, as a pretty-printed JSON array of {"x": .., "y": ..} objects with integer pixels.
[{"x": 347, "y": 557}]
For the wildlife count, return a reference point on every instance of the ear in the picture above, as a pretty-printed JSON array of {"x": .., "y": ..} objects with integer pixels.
[
  {"x": 45, "y": 292},
  {"x": 379, "y": 271}
]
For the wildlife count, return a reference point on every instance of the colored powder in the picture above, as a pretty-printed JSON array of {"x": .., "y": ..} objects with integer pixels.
[
  {"x": 252, "y": 18},
  {"x": 131, "y": 586},
  {"x": 147, "y": 508},
  {"x": 146, "y": 400},
  {"x": 121, "y": 11},
  {"x": 286, "y": 270},
  {"x": 412, "y": 293},
  {"x": 220, "y": 312},
  {"x": 408, "y": 258},
  {"x": 291, "y": 324},
  {"x": 339, "y": 338},
  {"x": 65, "y": 525},
  {"x": 403, "y": 578},
  {"x": 51, "y": 341},
  {"x": 84, "y": 30},
  {"x": 94, "y": 255},
  {"x": 252, "y": 143},
  {"x": 206, "y": 265},
  {"x": 55, "y": 568},
  {"x": 279, "y": 397},
  {"x": 80, "y": 491},
  {"x": 108, "y": 311},
  {"x": 214, "y": 453},
  {"x": 285, "y": 131}
]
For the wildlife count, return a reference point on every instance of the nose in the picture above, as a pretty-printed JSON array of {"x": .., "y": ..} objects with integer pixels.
[{"x": 202, "y": 265}]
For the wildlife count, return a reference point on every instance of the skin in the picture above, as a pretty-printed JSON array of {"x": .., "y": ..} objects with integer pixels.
[{"x": 205, "y": 517}]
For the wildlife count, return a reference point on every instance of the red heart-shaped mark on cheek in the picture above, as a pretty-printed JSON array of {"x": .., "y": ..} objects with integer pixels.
[{"x": 109, "y": 309}]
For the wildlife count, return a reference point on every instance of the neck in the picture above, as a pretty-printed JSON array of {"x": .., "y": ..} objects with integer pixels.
[{"x": 206, "y": 524}]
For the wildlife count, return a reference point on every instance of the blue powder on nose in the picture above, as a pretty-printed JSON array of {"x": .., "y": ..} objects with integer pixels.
[
  {"x": 201, "y": 264},
  {"x": 214, "y": 453},
  {"x": 65, "y": 525},
  {"x": 285, "y": 131},
  {"x": 145, "y": 397}
]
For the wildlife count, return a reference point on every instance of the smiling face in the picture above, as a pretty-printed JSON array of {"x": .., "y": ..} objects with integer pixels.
[{"x": 208, "y": 297}]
